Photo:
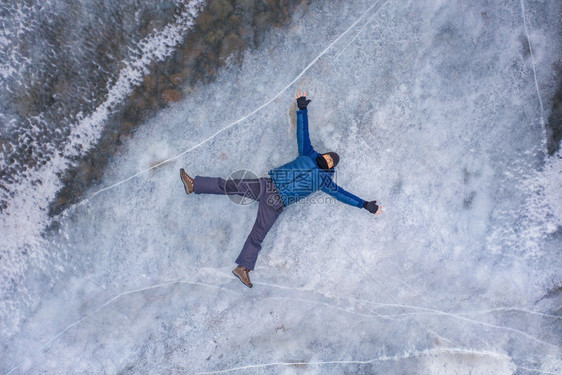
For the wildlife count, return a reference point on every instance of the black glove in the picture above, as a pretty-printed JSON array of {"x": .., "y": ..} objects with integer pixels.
[
  {"x": 372, "y": 206},
  {"x": 302, "y": 102}
]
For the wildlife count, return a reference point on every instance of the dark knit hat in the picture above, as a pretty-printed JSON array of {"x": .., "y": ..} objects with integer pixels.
[
  {"x": 335, "y": 158},
  {"x": 322, "y": 162}
]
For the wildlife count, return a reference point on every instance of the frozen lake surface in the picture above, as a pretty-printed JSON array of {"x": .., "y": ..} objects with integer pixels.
[{"x": 437, "y": 109}]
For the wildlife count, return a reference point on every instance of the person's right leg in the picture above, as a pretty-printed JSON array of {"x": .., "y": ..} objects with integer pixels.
[
  {"x": 187, "y": 181},
  {"x": 215, "y": 185},
  {"x": 269, "y": 210}
]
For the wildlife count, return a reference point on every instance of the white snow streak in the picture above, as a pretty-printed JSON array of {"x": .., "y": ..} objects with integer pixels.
[{"x": 27, "y": 214}]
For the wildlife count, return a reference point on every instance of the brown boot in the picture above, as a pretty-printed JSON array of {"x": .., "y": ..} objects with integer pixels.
[
  {"x": 242, "y": 274},
  {"x": 187, "y": 181}
]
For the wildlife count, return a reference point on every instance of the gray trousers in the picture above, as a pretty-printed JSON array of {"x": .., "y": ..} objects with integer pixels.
[{"x": 270, "y": 206}]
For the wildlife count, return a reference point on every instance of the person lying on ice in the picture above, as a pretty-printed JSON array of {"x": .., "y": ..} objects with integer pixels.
[{"x": 287, "y": 184}]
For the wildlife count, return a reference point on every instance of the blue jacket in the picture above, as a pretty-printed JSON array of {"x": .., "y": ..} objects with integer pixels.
[{"x": 302, "y": 176}]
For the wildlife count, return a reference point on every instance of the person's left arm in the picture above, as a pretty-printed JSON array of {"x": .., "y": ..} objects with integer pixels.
[
  {"x": 303, "y": 138},
  {"x": 331, "y": 188}
]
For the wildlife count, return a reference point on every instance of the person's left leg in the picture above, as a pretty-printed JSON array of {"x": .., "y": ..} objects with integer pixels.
[{"x": 269, "y": 210}]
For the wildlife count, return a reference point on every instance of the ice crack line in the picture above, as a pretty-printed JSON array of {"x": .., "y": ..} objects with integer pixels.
[
  {"x": 424, "y": 353},
  {"x": 180, "y": 282},
  {"x": 413, "y": 307},
  {"x": 360, "y": 31},
  {"x": 312, "y": 63},
  {"x": 458, "y": 316},
  {"x": 430, "y": 311},
  {"x": 91, "y": 313},
  {"x": 383, "y": 289},
  {"x": 300, "y": 300},
  {"x": 533, "y": 63}
]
